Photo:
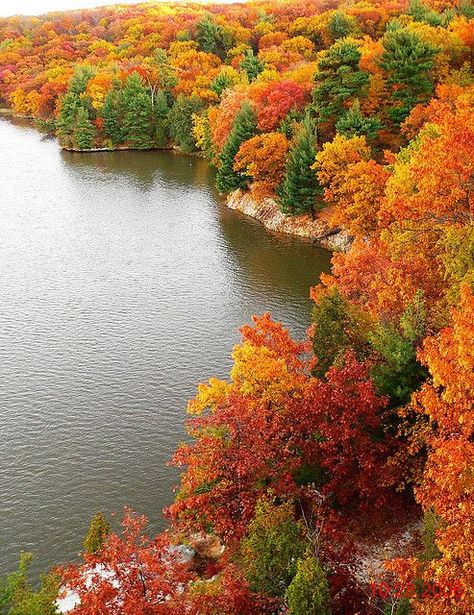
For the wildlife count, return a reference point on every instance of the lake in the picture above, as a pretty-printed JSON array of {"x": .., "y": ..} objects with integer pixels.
[{"x": 124, "y": 280}]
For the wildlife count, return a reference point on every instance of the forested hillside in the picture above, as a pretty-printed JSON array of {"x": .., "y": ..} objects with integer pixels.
[{"x": 363, "y": 111}]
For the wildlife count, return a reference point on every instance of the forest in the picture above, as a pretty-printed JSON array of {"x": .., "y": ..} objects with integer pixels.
[{"x": 314, "y": 451}]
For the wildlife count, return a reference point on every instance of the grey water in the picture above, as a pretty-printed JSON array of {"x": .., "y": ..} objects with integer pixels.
[{"x": 123, "y": 282}]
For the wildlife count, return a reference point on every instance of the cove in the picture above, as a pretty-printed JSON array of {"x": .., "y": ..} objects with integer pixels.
[{"x": 124, "y": 280}]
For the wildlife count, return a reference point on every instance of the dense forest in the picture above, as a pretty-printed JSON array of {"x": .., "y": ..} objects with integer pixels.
[{"x": 313, "y": 450}]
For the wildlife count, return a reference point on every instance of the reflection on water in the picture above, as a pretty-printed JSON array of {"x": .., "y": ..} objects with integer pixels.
[{"x": 124, "y": 281}]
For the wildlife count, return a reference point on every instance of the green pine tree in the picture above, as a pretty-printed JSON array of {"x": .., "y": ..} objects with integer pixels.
[
  {"x": 245, "y": 126},
  {"x": 213, "y": 38},
  {"x": 271, "y": 549},
  {"x": 251, "y": 64},
  {"x": 65, "y": 124},
  {"x": 98, "y": 530},
  {"x": 181, "y": 122},
  {"x": 161, "y": 122},
  {"x": 137, "y": 113},
  {"x": 308, "y": 593},
  {"x": 354, "y": 123},
  {"x": 408, "y": 61},
  {"x": 111, "y": 114},
  {"x": 84, "y": 130},
  {"x": 338, "y": 81},
  {"x": 300, "y": 188}
]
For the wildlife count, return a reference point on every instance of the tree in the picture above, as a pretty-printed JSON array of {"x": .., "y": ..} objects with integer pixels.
[
  {"x": 271, "y": 548},
  {"x": 140, "y": 574},
  {"x": 213, "y": 38},
  {"x": 300, "y": 188},
  {"x": 181, "y": 122},
  {"x": 98, "y": 530},
  {"x": 112, "y": 114},
  {"x": 339, "y": 81},
  {"x": 84, "y": 131},
  {"x": 308, "y": 593},
  {"x": 137, "y": 113},
  {"x": 263, "y": 158},
  {"x": 407, "y": 60},
  {"x": 18, "y": 597},
  {"x": 251, "y": 64},
  {"x": 354, "y": 124},
  {"x": 244, "y": 128}
]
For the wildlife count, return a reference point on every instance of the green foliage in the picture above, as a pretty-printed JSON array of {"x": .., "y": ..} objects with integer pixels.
[
  {"x": 251, "y": 64},
  {"x": 98, "y": 530},
  {"x": 272, "y": 547},
  {"x": 67, "y": 117},
  {"x": 111, "y": 114},
  {"x": 18, "y": 597},
  {"x": 137, "y": 113},
  {"x": 407, "y": 60},
  {"x": 353, "y": 123},
  {"x": 181, "y": 122},
  {"x": 84, "y": 130},
  {"x": 342, "y": 25},
  {"x": 160, "y": 120},
  {"x": 300, "y": 188},
  {"x": 245, "y": 126},
  {"x": 401, "y": 608},
  {"x": 397, "y": 372},
  {"x": 166, "y": 72},
  {"x": 431, "y": 523},
  {"x": 338, "y": 80},
  {"x": 213, "y": 38},
  {"x": 420, "y": 12},
  {"x": 308, "y": 593}
]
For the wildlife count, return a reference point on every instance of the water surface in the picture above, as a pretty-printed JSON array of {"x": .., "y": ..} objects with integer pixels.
[{"x": 123, "y": 282}]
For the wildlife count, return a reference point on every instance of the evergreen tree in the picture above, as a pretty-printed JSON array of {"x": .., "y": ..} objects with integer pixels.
[
  {"x": 341, "y": 25},
  {"x": 338, "y": 80},
  {"x": 353, "y": 123},
  {"x": 251, "y": 64},
  {"x": 161, "y": 123},
  {"x": 84, "y": 130},
  {"x": 65, "y": 125},
  {"x": 98, "y": 530},
  {"x": 213, "y": 38},
  {"x": 300, "y": 188},
  {"x": 407, "y": 60},
  {"x": 245, "y": 126},
  {"x": 111, "y": 114},
  {"x": 137, "y": 113},
  {"x": 18, "y": 597},
  {"x": 308, "y": 593},
  {"x": 181, "y": 122},
  {"x": 271, "y": 548}
]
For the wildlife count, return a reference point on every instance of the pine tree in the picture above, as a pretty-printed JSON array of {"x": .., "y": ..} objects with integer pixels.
[
  {"x": 98, "y": 529},
  {"x": 84, "y": 130},
  {"x": 71, "y": 103},
  {"x": 407, "y": 61},
  {"x": 245, "y": 126},
  {"x": 137, "y": 113},
  {"x": 111, "y": 113},
  {"x": 161, "y": 122},
  {"x": 338, "y": 80},
  {"x": 181, "y": 121},
  {"x": 354, "y": 124},
  {"x": 251, "y": 64},
  {"x": 308, "y": 593},
  {"x": 300, "y": 188}
]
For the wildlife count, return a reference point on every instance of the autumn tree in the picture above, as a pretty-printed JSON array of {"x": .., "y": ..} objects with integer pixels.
[
  {"x": 181, "y": 122},
  {"x": 137, "y": 113}
]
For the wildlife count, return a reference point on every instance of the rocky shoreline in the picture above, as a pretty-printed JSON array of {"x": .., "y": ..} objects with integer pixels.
[{"x": 268, "y": 213}]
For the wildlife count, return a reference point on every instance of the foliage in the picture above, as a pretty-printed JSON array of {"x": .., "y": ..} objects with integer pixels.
[
  {"x": 308, "y": 593},
  {"x": 98, "y": 530},
  {"x": 271, "y": 548},
  {"x": 181, "y": 122},
  {"x": 299, "y": 190},
  {"x": 18, "y": 597}
]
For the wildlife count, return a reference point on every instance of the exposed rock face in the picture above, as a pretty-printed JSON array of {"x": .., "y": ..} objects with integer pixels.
[{"x": 268, "y": 213}]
